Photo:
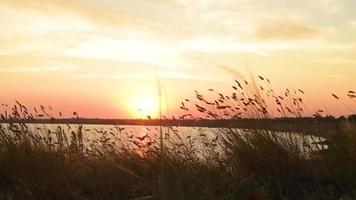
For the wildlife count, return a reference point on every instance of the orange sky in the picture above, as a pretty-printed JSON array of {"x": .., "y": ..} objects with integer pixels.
[{"x": 102, "y": 58}]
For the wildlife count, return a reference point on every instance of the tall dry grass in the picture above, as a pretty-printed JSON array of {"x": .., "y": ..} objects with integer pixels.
[{"x": 67, "y": 162}]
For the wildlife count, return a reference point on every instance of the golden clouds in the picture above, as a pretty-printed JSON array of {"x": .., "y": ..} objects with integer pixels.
[
  {"x": 286, "y": 30},
  {"x": 72, "y": 8}
]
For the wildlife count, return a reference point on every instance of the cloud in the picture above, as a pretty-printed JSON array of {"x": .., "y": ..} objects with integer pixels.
[
  {"x": 353, "y": 24},
  {"x": 54, "y": 26},
  {"x": 207, "y": 3},
  {"x": 148, "y": 76},
  {"x": 286, "y": 30},
  {"x": 54, "y": 68},
  {"x": 327, "y": 6},
  {"x": 144, "y": 50},
  {"x": 157, "y": 32},
  {"x": 335, "y": 61},
  {"x": 115, "y": 17},
  {"x": 85, "y": 10}
]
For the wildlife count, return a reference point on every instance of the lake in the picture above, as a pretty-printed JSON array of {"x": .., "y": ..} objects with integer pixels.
[{"x": 198, "y": 139}]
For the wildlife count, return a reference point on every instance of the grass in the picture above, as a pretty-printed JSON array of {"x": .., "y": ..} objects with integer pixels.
[{"x": 68, "y": 162}]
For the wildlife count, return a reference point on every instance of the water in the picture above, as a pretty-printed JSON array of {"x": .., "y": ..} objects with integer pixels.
[{"x": 176, "y": 139}]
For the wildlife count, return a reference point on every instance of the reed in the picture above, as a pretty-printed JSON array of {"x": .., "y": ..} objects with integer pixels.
[{"x": 81, "y": 162}]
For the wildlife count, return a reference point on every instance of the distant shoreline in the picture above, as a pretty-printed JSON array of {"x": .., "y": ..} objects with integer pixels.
[{"x": 280, "y": 124}]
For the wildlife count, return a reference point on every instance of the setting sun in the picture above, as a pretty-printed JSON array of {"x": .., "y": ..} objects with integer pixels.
[
  {"x": 143, "y": 104},
  {"x": 146, "y": 107}
]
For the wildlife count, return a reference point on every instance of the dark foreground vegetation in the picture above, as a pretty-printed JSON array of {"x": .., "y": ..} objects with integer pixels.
[{"x": 74, "y": 162}]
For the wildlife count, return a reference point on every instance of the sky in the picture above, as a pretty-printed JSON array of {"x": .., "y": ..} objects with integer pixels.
[{"x": 103, "y": 58}]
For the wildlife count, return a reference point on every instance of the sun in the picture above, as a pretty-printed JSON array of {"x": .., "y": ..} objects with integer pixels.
[
  {"x": 143, "y": 105},
  {"x": 146, "y": 107}
]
